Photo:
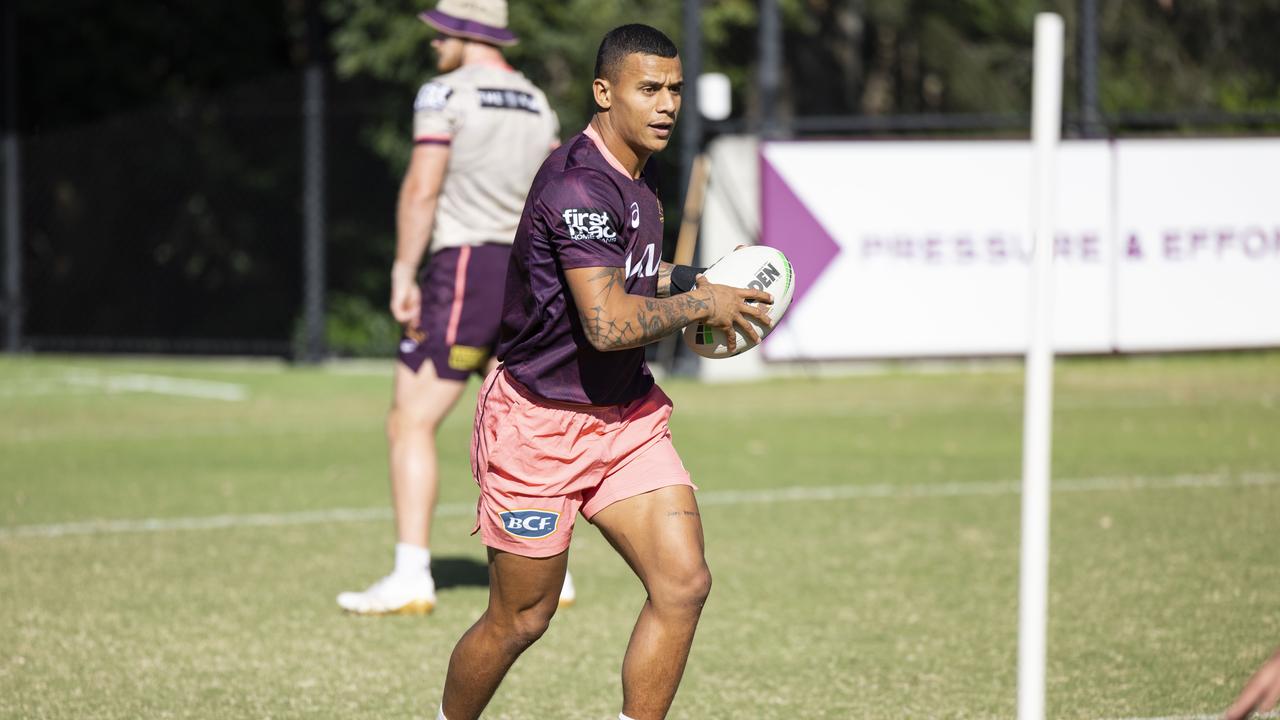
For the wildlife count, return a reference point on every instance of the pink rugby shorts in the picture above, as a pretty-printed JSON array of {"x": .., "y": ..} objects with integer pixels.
[{"x": 538, "y": 462}]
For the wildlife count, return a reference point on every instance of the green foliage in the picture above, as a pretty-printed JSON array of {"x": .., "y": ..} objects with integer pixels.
[
  {"x": 558, "y": 43},
  {"x": 357, "y": 327},
  {"x": 558, "y": 40},
  {"x": 353, "y": 327},
  {"x": 1196, "y": 54},
  {"x": 159, "y": 167},
  {"x": 871, "y": 56}
]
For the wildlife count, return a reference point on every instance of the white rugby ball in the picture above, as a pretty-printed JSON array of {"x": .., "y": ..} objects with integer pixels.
[{"x": 758, "y": 267}]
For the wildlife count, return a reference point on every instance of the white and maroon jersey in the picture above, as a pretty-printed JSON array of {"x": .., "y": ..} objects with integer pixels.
[{"x": 499, "y": 128}]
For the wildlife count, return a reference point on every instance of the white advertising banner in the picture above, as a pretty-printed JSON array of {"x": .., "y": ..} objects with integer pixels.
[
  {"x": 920, "y": 248},
  {"x": 908, "y": 249},
  {"x": 1199, "y": 230}
]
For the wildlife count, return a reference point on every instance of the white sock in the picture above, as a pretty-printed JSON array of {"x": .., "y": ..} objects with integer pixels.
[
  {"x": 621, "y": 716},
  {"x": 440, "y": 714},
  {"x": 413, "y": 559}
]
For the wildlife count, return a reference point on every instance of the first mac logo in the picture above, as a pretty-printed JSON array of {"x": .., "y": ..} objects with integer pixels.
[
  {"x": 532, "y": 524},
  {"x": 589, "y": 224}
]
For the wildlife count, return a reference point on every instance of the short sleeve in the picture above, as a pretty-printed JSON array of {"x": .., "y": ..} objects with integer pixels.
[
  {"x": 436, "y": 115},
  {"x": 581, "y": 211}
]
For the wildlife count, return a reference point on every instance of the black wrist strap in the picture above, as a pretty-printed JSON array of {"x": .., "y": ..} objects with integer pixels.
[{"x": 684, "y": 278}]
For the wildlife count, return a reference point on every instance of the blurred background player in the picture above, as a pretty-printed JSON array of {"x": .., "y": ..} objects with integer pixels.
[{"x": 481, "y": 130}]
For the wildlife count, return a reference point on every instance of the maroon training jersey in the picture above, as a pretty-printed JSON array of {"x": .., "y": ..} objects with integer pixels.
[{"x": 583, "y": 210}]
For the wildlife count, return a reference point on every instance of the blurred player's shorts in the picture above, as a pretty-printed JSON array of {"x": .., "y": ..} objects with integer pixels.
[{"x": 461, "y": 311}]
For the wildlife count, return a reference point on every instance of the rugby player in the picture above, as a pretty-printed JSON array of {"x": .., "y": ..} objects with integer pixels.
[
  {"x": 480, "y": 132},
  {"x": 571, "y": 421}
]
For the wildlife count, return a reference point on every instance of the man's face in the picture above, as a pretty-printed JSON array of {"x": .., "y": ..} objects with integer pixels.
[
  {"x": 644, "y": 99},
  {"x": 448, "y": 52}
]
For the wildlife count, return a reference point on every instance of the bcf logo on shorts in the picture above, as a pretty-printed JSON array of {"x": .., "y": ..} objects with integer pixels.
[{"x": 532, "y": 524}]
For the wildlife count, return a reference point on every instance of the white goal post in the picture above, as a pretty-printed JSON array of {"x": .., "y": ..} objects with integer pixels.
[{"x": 1046, "y": 121}]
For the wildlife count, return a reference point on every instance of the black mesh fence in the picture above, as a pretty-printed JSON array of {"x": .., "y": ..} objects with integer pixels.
[{"x": 180, "y": 228}]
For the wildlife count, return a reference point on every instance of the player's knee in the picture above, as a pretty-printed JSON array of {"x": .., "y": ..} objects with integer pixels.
[
  {"x": 530, "y": 626},
  {"x": 403, "y": 420},
  {"x": 699, "y": 586},
  {"x": 524, "y": 627},
  {"x": 686, "y": 589}
]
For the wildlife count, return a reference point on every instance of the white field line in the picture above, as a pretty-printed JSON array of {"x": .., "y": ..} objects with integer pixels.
[
  {"x": 878, "y": 409},
  {"x": 854, "y": 492},
  {"x": 40, "y": 388},
  {"x": 705, "y": 498},
  {"x": 79, "y": 382},
  {"x": 1217, "y": 716},
  {"x": 159, "y": 384}
]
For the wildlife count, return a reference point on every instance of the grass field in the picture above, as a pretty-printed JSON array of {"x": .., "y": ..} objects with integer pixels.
[{"x": 173, "y": 533}]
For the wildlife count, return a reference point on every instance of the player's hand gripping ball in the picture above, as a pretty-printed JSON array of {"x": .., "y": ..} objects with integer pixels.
[{"x": 757, "y": 267}]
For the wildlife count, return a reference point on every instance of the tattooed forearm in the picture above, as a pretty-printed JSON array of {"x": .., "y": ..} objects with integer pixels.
[
  {"x": 662, "y": 316},
  {"x": 616, "y": 320},
  {"x": 648, "y": 320},
  {"x": 605, "y": 333}
]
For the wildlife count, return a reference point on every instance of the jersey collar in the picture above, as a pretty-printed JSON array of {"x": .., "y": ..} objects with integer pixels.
[
  {"x": 604, "y": 150},
  {"x": 499, "y": 64}
]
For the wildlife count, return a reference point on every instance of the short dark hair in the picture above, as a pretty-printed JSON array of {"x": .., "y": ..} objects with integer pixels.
[{"x": 627, "y": 40}]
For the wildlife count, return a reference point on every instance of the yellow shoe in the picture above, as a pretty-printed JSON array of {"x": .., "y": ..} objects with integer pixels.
[{"x": 395, "y": 594}]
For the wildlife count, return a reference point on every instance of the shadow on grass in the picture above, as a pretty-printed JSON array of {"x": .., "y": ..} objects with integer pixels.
[{"x": 450, "y": 572}]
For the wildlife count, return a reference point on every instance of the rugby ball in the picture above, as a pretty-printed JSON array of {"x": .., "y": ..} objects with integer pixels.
[{"x": 758, "y": 267}]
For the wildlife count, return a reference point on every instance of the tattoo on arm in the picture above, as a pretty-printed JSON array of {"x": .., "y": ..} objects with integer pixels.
[
  {"x": 603, "y": 330},
  {"x": 643, "y": 319},
  {"x": 660, "y": 317}
]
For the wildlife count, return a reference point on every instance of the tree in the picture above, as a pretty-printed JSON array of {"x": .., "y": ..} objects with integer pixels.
[
  {"x": 159, "y": 198},
  {"x": 383, "y": 40}
]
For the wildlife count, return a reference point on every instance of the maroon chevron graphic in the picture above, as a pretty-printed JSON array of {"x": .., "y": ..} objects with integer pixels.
[{"x": 787, "y": 224}]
